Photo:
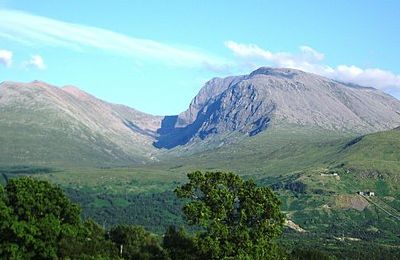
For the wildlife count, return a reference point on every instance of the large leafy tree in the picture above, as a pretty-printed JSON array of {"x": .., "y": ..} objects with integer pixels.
[
  {"x": 34, "y": 217},
  {"x": 239, "y": 219},
  {"x": 37, "y": 221}
]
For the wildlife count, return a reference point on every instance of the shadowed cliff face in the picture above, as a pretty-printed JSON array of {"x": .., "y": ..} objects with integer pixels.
[
  {"x": 218, "y": 117},
  {"x": 249, "y": 104},
  {"x": 171, "y": 136}
]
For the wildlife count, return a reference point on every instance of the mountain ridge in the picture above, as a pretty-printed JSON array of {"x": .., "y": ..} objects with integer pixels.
[{"x": 244, "y": 105}]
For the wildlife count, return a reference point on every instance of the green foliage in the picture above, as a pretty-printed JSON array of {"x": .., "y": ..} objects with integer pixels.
[
  {"x": 179, "y": 244},
  {"x": 155, "y": 212},
  {"x": 136, "y": 243},
  {"x": 33, "y": 200},
  {"x": 240, "y": 220},
  {"x": 36, "y": 216},
  {"x": 90, "y": 242},
  {"x": 37, "y": 221}
]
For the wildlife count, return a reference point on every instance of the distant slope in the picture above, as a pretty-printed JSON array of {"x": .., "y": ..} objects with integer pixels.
[
  {"x": 250, "y": 104},
  {"x": 276, "y": 151},
  {"x": 45, "y": 124},
  {"x": 379, "y": 152}
]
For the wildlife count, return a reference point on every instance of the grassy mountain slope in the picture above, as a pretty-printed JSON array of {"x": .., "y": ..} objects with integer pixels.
[
  {"x": 24, "y": 143},
  {"x": 378, "y": 151},
  {"x": 279, "y": 150},
  {"x": 45, "y": 125}
]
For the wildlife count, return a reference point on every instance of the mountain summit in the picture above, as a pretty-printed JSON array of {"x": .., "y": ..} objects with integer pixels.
[{"x": 273, "y": 96}]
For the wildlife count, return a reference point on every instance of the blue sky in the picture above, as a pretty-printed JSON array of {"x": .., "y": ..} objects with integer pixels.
[{"x": 156, "y": 55}]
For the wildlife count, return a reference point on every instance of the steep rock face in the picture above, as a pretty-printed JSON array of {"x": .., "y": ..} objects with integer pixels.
[
  {"x": 249, "y": 104},
  {"x": 211, "y": 89},
  {"x": 113, "y": 132}
]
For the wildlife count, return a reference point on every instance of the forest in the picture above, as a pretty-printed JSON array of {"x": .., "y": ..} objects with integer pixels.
[{"x": 222, "y": 217}]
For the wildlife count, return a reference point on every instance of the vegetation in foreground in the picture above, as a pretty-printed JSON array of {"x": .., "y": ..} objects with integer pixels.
[
  {"x": 37, "y": 221},
  {"x": 236, "y": 219},
  {"x": 143, "y": 196}
]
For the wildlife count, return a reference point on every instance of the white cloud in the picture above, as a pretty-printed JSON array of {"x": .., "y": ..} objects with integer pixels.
[
  {"x": 6, "y": 57},
  {"x": 248, "y": 50},
  {"x": 368, "y": 77},
  {"x": 310, "y": 53},
  {"x": 35, "y": 62},
  {"x": 36, "y": 30},
  {"x": 311, "y": 60}
]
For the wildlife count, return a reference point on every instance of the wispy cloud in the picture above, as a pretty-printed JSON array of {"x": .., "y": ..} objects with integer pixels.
[
  {"x": 6, "y": 57},
  {"x": 310, "y": 60},
  {"x": 30, "y": 29},
  {"x": 36, "y": 62}
]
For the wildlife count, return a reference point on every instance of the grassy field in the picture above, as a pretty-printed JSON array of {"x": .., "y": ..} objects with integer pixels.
[{"x": 276, "y": 151}]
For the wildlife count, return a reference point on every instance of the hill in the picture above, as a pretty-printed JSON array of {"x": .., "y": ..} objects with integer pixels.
[
  {"x": 44, "y": 125},
  {"x": 377, "y": 151}
]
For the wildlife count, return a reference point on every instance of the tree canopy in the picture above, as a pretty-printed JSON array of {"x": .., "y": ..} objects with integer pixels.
[
  {"x": 136, "y": 243},
  {"x": 35, "y": 216},
  {"x": 238, "y": 219}
]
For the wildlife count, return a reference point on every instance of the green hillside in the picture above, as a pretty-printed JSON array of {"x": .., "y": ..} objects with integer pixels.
[
  {"x": 316, "y": 174},
  {"x": 324, "y": 203},
  {"x": 279, "y": 150},
  {"x": 26, "y": 139},
  {"x": 379, "y": 152}
]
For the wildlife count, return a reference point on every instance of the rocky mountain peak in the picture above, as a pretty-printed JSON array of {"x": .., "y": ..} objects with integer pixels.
[
  {"x": 276, "y": 72},
  {"x": 268, "y": 96}
]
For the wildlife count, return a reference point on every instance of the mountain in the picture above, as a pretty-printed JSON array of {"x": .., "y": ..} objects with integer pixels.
[
  {"x": 268, "y": 97},
  {"x": 41, "y": 123},
  {"x": 45, "y": 124}
]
